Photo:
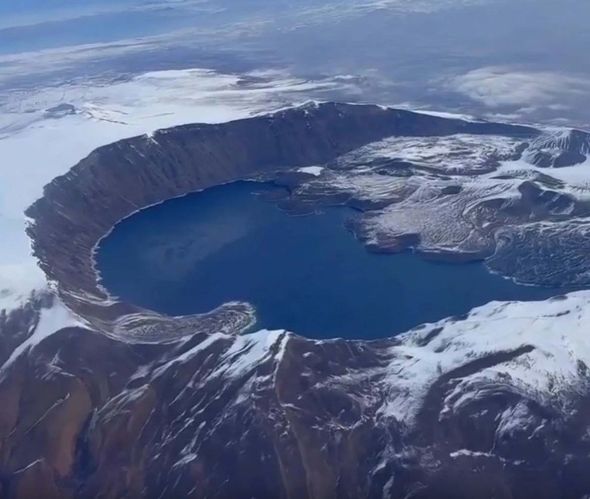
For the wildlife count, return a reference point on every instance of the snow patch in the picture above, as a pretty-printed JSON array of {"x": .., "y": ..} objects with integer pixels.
[
  {"x": 316, "y": 171},
  {"x": 249, "y": 350},
  {"x": 51, "y": 320}
]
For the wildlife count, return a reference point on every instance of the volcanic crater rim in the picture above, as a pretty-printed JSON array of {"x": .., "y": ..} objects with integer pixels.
[{"x": 79, "y": 209}]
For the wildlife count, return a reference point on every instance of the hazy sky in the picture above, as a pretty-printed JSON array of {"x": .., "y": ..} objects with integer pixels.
[{"x": 510, "y": 59}]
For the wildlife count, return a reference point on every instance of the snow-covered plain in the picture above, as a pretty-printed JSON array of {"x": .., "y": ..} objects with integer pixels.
[{"x": 43, "y": 133}]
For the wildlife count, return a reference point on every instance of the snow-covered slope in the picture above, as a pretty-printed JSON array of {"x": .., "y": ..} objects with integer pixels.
[{"x": 550, "y": 337}]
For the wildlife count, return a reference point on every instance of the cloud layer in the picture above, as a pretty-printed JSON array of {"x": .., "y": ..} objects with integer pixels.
[{"x": 497, "y": 87}]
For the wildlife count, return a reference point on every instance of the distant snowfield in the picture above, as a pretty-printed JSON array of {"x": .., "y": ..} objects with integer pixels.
[{"x": 43, "y": 133}]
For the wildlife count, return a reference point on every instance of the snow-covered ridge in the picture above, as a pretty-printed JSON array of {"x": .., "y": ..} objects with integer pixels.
[
  {"x": 559, "y": 148},
  {"x": 551, "y": 336},
  {"x": 537, "y": 351},
  {"x": 564, "y": 140}
]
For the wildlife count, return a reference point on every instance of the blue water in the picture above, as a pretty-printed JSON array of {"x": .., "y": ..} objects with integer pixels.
[{"x": 307, "y": 274}]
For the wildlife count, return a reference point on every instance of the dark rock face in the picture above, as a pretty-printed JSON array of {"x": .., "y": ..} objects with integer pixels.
[
  {"x": 140, "y": 405},
  {"x": 60, "y": 111}
]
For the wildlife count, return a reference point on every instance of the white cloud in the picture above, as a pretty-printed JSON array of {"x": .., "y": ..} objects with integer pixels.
[
  {"x": 498, "y": 86},
  {"x": 68, "y": 62},
  {"x": 339, "y": 10},
  {"x": 415, "y": 5}
]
